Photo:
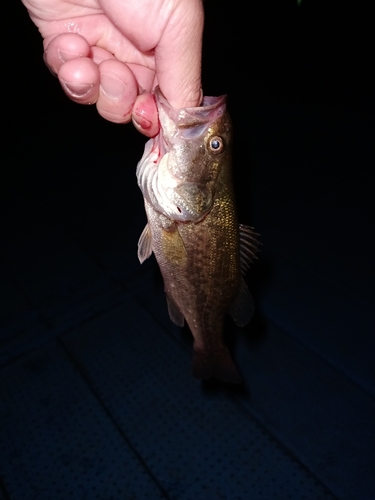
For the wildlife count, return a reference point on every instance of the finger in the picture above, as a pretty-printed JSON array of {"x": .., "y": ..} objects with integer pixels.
[
  {"x": 79, "y": 79},
  {"x": 98, "y": 55},
  {"x": 63, "y": 48},
  {"x": 145, "y": 115},
  {"x": 118, "y": 91},
  {"x": 144, "y": 76},
  {"x": 178, "y": 55}
]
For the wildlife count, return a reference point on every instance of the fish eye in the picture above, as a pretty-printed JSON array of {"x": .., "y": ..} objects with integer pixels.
[{"x": 216, "y": 144}]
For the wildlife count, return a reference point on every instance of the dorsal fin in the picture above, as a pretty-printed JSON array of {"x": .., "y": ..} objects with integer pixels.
[{"x": 249, "y": 246}]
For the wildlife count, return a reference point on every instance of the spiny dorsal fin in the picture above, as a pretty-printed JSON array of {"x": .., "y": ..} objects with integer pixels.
[
  {"x": 249, "y": 245},
  {"x": 242, "y": 308},
  {"x": 145, "y": 244}
]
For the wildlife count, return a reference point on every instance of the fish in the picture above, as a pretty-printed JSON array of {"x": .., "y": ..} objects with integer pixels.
[{"x": 185, "y": 175}]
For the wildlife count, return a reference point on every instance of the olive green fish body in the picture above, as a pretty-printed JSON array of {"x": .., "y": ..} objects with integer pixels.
[
  {"x": 198, "y": 252},
  {"x": 200, "y": 267}
]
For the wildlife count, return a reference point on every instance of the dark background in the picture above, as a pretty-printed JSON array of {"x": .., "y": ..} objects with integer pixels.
[{"x": 96, "y": 395}]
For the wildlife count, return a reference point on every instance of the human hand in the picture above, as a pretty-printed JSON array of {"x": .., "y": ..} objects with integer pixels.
[{"x": 114, "y": 52}]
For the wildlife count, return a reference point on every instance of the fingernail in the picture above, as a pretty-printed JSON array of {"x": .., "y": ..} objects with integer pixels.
[
  {"x": 64, "y": 55},
  {"x": 112, "y": 86},
  {"x": 140, "y": 121},
  {"x": 76, "y": 90}
]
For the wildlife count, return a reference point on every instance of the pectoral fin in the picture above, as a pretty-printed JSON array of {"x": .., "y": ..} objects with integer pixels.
[
  {"x": 173, "y": 247},
  {"x": 145, "y": 244},
  {"x": 174, "y": 312},
  {"x": 249, "y": 246},
  {"x": 242, "y": 308}
]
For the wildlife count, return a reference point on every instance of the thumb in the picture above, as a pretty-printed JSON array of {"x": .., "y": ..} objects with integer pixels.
[{"x": 178, "y": 55}]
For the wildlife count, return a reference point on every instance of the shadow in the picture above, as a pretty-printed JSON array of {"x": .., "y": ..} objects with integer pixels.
[
  {"x": 214, "y": 388},
  {"x": 254, "y": 333}
]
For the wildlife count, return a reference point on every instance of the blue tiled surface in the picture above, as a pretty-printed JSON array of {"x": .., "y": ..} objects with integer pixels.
[
  {"x": 97, "y": 400},
  {"x": 73, "y": 448},
  {"x": 181, "y": 432}
]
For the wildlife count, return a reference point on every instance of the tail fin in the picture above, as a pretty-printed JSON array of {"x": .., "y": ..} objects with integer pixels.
[{"x": 216, "y": 364}]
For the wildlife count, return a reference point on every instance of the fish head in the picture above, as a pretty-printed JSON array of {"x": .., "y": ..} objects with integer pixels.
[{"x": 179, "y": 170}]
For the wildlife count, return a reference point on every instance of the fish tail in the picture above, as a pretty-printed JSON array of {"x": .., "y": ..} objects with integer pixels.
[{"x": 217, "y": 364}]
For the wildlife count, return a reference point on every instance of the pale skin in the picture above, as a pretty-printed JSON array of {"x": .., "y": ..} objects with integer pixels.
[{"x": 114, "y": 52}]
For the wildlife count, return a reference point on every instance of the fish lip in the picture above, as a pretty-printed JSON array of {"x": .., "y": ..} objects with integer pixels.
[
  {"x": 162, "y": 144},
  {"x": 210, "y": 109}
]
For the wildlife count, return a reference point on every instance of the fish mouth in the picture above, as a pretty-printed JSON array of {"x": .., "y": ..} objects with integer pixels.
[{"x": 189, "y": 122}]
